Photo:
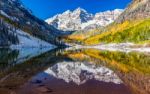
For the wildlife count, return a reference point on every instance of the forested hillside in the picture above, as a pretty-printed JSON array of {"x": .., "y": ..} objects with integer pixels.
[{"x": 133, "y": 25}]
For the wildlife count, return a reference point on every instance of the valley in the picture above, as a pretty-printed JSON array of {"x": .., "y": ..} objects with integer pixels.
[{"x": 76, "y": 51}]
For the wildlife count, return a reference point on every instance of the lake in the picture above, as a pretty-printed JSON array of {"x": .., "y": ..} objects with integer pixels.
[{"x": 73, "y": 71}]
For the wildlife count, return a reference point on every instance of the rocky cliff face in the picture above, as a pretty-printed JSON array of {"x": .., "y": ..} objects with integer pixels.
[
  {"x": 80, "y": 19},
  {"x": 14, "y": 16},
  {"x": 138, "y": 9}
]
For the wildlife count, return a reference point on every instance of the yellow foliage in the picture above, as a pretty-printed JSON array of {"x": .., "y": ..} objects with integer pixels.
[
  {"x": 110, "y": 31},
  {"x": 76, "y": 37}
]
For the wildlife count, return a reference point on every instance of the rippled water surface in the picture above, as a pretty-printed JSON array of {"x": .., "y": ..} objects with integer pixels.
[{"x": 82, "y": 71}]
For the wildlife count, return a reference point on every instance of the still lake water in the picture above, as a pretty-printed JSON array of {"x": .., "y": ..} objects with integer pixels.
[{"x": 82, "y": 71}]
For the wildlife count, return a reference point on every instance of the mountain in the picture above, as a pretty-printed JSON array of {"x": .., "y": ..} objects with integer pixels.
[
  {"x": 138, "y": 9},
  {"x": 19, "y": 27},
  {"x": 80, "y": 19},
  {"x": 133, "y": 26}
]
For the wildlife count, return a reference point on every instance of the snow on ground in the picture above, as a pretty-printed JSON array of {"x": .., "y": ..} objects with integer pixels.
[
  {"x": 26, "y": 40},
  {"x": 123, "y": 47},
  {"x": 6, "y": 15}
]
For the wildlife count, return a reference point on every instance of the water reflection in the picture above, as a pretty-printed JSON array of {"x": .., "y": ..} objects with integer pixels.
[
  {"x": 82, "y": 71},
  {"x": 133, "y": 68},
  {"x": 9, "y": 58},
  {"x": 7, "y": 55}
]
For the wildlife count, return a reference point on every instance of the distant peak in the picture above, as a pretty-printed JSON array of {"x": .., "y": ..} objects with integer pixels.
[
  {"x": 80, "y": 19},
  {"x": 79, "y": 9},
  {"x": 66, "y": 12},
  {"x": 119, "y": 9}
]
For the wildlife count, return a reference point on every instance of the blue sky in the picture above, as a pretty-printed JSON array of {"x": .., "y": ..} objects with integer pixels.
[{"x": 48, "y": 8}]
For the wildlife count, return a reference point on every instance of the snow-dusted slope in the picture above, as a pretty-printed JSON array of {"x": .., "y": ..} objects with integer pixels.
[
  {"x": 26, "y": 40},
  {"x": 80, "y": 19},
  {"x": 14, "y": 37},
  {"x": 13, "y": 15},
  {"x": 79, "y": 72}
]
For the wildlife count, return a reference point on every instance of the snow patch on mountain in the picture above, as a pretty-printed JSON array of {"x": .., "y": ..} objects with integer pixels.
[
  {"x": 80, "y": 19},
  {"x": 14, "y": 15},
  {"x": 26, "y": 40},
  {"x": 79, "y": 72},
  {"x": 6, "y": 15}
]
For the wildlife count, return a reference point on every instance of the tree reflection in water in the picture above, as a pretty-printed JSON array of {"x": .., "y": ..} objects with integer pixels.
[{"x": 74, "y": 71}]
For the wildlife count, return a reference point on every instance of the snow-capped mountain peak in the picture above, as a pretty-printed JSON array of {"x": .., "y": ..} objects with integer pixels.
[
  {"x": 80, "y": 10},
  {"x": 80, "y": 19},
  {"x": 67, "y": 12}
]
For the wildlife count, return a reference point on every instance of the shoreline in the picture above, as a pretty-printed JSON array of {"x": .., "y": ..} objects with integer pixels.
[{"x": 123, "y": 47}]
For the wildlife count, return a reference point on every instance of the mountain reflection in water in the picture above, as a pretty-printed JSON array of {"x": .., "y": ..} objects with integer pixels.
[{"x": 82, "y": 71}]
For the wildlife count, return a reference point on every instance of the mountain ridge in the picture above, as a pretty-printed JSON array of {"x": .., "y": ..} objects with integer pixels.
[
  {"x": 80, "y": 19},
  {"x": 16, "y": 17},
  {"x": 132, "y": 26},
  {"x": 136, "y": 10}
]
